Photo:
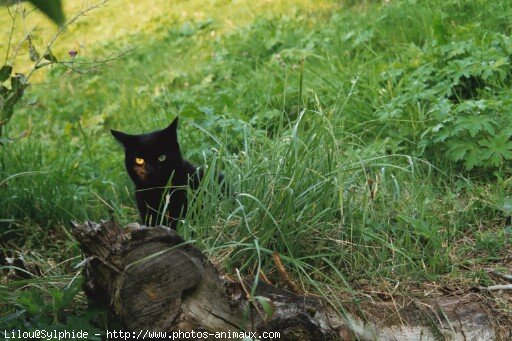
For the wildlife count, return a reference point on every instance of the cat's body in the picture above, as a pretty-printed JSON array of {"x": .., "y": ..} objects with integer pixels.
[
  {"x": 154, "y": 161},
  {"x": 151, "y": 201}
]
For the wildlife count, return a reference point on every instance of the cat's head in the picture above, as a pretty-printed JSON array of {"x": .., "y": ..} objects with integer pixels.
[{"x": 151, "y": 158}]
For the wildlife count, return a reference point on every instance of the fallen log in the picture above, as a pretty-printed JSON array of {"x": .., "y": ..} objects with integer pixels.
[{"x": 154, "y": 280}]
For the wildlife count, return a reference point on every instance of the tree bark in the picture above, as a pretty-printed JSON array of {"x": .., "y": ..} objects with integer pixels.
[{"x": 153, "y": 280}]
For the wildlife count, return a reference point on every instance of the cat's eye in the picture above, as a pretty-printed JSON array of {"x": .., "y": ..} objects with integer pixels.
[
  {"x": 162, "y": 158},
  {"x": 139, "y": 161}
]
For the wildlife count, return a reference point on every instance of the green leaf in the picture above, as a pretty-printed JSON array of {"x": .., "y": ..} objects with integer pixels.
[
  {"x": 83, "y": 322},
  {"x": 52, "y": 8},
  {"x": 50, "y": 57},
  {"x": 58, "y": 302},
  {"x": 474, "y": 124},
  {"x": 71, "y": 291},
  {"x": 473, "y": 159},
  {"x": 18, "y": 82},
  {"x": 32, "y": 52},
  {"x": 419, "y": 226},
  {"x": 458, "y": 150},
  {"x": 191, "y": 111},
  {"x": 466, "y": 151},
  {"x": 7, "y": 107},
  {"x": 499, "y": 148},
  {"x": 267, "y": 305},
  {"x": 5, "y": 72},
  {"x": 63, "y": 298},
  {"x": 32, "y": 301}
]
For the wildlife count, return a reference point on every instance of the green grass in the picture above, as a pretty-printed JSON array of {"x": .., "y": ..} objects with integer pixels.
[{"x": 366, "y": 143}]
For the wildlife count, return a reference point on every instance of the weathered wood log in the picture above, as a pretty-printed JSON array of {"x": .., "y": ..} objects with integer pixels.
[{"x": 154, "y": 280}]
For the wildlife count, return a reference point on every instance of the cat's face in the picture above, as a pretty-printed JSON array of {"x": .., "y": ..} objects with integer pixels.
[{"x": 151, "y": 158}]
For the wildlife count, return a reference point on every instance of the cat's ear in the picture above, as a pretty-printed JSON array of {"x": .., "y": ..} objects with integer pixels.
[
  {"x": 173, "y": 126},
  {"x": 124, "y": 138},
  {"x": 170, "y": 132}
]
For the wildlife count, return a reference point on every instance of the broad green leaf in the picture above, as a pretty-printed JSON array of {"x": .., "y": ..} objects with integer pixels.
[
  {"x": 473, "y": 159},
  {"x": 5, "y": 72},
  {"x": 70, "y": 291},
  {"x": 457, "y": 154},
  {"x": 57, "y": 299},
  {"x": 499, "y": 148},
  {"x": 32, "y": 301},
  {"x": 52, "y": 8},
  {"x": 458, "y": 150},
  {"x": 18, "y": 82},
  {"x": 50, "y": 57},
  {"x": 500, "y": 62},
  {"x": 267, "y": 305},
  {"x": 7, "y": 109},
  {"x": 474, "y": 124}
]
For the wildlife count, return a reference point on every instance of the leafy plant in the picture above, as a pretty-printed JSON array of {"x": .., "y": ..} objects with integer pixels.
[
  {"x": 11, "y": 95},
  {"x": 452, "y": 87},
  {"x": 44, "y": 310}
]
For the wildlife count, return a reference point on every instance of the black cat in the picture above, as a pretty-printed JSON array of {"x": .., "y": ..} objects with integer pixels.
[{"x": 154, "y": 161}]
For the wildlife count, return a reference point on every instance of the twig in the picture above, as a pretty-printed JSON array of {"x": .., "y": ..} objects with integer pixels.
[
  {"x": 284, "y": 274},
  {"x": 496, "y": 287},
  {"x": 501, "y": 274},
  {"x": 17, "y": 48},
  {"x": 263, "y": 277},
  {"x": 93, "y": 65},
  {"x": 13, "y": 17},
  {"x": 248, "y": 294}
]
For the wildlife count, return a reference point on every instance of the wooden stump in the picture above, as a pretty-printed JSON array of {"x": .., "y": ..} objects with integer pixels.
[{"x": 154, "y": 280}]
